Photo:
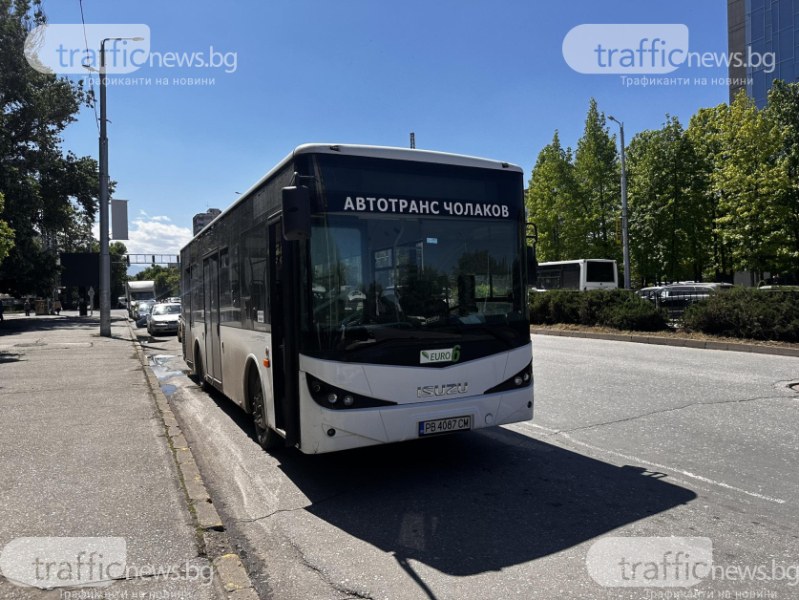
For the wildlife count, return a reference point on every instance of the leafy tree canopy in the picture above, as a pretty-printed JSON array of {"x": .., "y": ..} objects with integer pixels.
[{"x": 50, "y": 195}]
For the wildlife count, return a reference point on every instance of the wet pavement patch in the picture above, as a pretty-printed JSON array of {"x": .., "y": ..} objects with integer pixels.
[{"x": 158, "y": 364}]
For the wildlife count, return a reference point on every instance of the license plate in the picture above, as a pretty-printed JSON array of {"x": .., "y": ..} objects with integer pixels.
[{"x": 436, "y": 426}]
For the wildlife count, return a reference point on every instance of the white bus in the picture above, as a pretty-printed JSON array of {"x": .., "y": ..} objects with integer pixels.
[
  {"x": 582, "y": 274},
  {"x": 364, "y": 295}
]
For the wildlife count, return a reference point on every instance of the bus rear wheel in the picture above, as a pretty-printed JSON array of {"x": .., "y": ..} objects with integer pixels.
[{"x": 267, "y": 437}]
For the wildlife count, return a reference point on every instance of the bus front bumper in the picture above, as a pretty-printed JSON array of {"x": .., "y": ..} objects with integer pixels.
[{"x": 333, "y": 430}]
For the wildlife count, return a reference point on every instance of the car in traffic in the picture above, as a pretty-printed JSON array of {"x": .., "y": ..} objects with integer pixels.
[
  {"x": 163, "y": 318},
  {"x": 142, "y": 309},
  {"x": 676, "y": 297},
  {"x": 650, "y": 293}
]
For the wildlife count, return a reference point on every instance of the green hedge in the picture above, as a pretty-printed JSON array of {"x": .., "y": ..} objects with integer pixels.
[
  {"x": 747, "y": 313},
  {"x": 620, "y": 309}
]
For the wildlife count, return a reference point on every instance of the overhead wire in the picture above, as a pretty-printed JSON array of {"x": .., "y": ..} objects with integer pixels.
[{"x": 91, "y": 78}]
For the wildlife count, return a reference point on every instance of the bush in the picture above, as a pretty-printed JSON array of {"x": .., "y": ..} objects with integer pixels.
[
  {"x": 620, "y": 309},
  {"x": 635, "y": 314},
  {"x": 747, "y": 313}
]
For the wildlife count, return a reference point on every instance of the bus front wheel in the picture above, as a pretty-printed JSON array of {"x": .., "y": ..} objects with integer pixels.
[
  {"x": 267, "y": 437},
  {"x": 199, "y": 370}
]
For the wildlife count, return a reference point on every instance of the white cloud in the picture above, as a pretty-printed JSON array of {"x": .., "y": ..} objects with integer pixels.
[{"x": 157, "y": 236}]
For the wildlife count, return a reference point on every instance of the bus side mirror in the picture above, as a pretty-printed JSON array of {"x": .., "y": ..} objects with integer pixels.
[
  {"x": 532, "y": 265},
  {"x": 296, "y": 213}
]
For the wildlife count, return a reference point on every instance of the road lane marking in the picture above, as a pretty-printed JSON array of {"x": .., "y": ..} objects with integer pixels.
[{"x": 654, "y": 464}]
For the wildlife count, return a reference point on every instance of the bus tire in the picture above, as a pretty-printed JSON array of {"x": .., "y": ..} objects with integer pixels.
[
  {"x": 267, "y": 437},
  {"x": 199, "y": 368}
]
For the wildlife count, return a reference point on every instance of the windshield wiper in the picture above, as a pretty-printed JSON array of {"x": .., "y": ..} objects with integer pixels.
[
  {"x": 371, "y": 342},
  {"x": 384, "y": 336}
]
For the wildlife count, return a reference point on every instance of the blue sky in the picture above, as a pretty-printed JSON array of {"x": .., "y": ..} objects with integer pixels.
[{"x": 481, "y": 78}]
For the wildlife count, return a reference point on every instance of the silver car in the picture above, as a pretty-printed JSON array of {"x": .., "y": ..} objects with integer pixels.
[{"x": 163, "y": 318}]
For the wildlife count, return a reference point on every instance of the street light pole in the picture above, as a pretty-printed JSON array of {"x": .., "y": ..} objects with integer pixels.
[
  {"x": 105, "y": 257},
  {"x": 624, "y": 226}
]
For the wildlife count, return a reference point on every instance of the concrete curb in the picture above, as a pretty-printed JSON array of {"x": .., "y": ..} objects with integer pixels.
[
  {"x": 231, "y": 579},
  {"x": 679, "y": 342}
]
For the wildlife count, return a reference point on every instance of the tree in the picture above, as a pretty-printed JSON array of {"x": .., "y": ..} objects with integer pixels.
[
  {"x": 6, "y": 234},
  {"x": 783, "y": 111},
  {"x": 753, "y": 176},
  {"x": 167, "y": 280},
  {"x": 553, "y": 204},
  {"x": 670, "y": 224},
  {"x": 50, "y": 197},
  {"x": 596, "y": 171},
  {"x": 119, "y": 269},
  {"x": 706, "y": 134}
]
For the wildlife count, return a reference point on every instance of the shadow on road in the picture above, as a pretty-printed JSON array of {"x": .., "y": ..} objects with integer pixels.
[
  {"x": 477, "y": 502},
  {"x": 52, "y": 323},
  {"x": 473, "y": 502}
]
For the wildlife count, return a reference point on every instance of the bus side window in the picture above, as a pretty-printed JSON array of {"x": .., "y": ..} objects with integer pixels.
[{"x": 254, "y": 281}]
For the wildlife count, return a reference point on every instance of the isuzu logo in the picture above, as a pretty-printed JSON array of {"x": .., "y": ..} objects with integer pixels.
[{"x": 446, "y": 389}]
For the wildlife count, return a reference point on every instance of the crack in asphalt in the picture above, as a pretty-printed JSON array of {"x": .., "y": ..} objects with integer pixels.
[
  {"x": 271, "y": 514},
  {"x": 350, "y": 594},
  {"x": 667, "y": 410},
  {"x": 290, "y": 510},
  {"x": 325, "y": 579}
]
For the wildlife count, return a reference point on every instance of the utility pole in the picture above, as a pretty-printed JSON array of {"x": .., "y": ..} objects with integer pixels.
[{"x": 105, "y": 257}]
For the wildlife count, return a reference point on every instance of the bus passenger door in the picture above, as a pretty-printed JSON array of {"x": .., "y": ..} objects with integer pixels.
[
  {"x": 283, "y": 303},
  {"x": 213, "y": 350}
]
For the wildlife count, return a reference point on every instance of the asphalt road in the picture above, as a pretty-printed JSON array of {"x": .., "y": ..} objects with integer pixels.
[{"x": 628, "y": 440}]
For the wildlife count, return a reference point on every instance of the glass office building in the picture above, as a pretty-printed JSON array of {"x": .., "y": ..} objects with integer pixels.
[{"x": 757, "y": 28}]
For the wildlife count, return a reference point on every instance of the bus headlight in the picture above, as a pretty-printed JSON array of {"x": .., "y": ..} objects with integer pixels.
[
  {"x": 333, "y": 398},
  {"x": 522, "y": 379}
]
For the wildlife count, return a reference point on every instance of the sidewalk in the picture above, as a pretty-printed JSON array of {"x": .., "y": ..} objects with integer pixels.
[{"x": 83, "y": 454}]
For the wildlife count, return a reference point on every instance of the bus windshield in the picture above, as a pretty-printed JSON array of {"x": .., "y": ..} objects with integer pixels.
[{"x": 385, "y": 278}]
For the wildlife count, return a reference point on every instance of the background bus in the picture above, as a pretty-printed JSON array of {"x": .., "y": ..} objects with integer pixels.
[
  {"x": 582, "y": 274},
  {"x": 362, "y": 295}
]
